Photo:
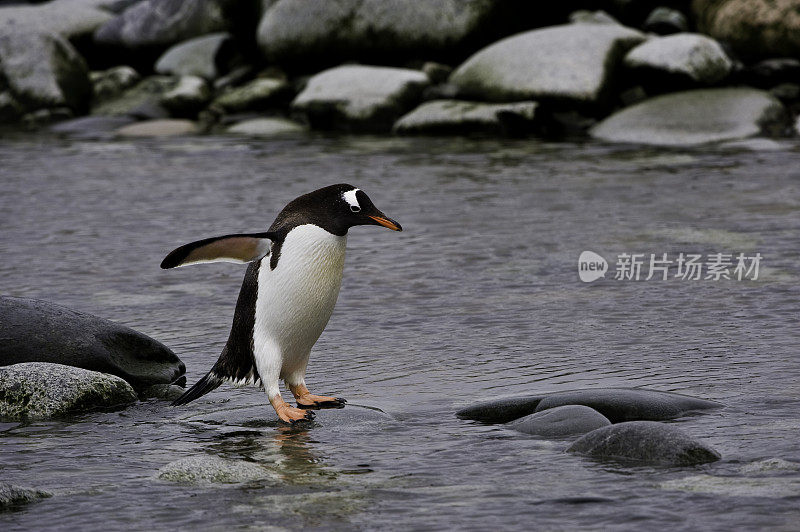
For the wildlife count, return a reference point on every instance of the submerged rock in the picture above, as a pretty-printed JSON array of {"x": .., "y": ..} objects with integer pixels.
[
  {"x": 44, "y": 70},
  {"x": 695, "y": 117},
  {"x": 571, "y": 62},
  {"x": 460, "y": 117},
  {"x": 209, "y": 57},
  {"x": 775, "y": 487},
  {"x": 40, "y": 390},
  {"x": 13, "y": 496},
  {"x": 621, "y": 404},
  {"x": 266, "y": 127},
  {"x": 39, "y": 331},
  {"x": 159, "y": 128},
  {"x": 365, "y": 98},
  {"x": 685, "y": 55},
  {"x": 501, "y": 410},
  {"x": 212, "y": 469},
  {"x": 561, "y": 421},
  {"x": 644, "y": 441}
]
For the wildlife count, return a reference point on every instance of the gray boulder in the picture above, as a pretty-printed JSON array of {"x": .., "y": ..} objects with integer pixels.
[
  {"x": 44, "y": 70},
  {"x": 561, "y": 421},
  {"x": 209, "y": 57},
  {"x": 188, "y": 97},
  {"x": 501, "y": 410},
  {"x": 266, "y": 127},
  {"x": 364, "y": 98},
  {"x": 15, "y": 496},
  {"x": 212, "y": 469},
  {"x": 572, "y": 62},
  {"x": 695, "y": 117},
  {"x": 258, "y": 94},
  {"x": 685, "y": 55},
  {"x": 444, "y": 117},
  {"x": 646, "y": 442},
  {"x": 626, "y": 404},
  {"x": 161, "y": 23},
  {"x": 67, "y": 18},
  {"x": 159, "y": 128},
  {"x": 112, "y": 82},
  {"x": 40, "y": 390},
  {"x": 39, "y": 331},
  {"x": 306, "y": 33}
]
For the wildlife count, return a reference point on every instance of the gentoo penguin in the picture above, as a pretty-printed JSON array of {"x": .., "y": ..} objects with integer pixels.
[{"x": 288, "y": 293}]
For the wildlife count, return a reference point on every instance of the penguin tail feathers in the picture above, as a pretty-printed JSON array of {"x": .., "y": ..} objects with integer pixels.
[{"x": 207, "y": 384}]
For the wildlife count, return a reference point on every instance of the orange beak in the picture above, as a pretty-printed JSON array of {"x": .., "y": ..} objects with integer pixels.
[{"x": 386, "y": 222}]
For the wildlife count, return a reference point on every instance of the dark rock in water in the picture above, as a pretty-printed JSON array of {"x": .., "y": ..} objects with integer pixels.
[
  {"x": 15, "y": 496},
  {"x": 459, "y": 117},
  {"x": 501, "y": 410},
  {"x": 530, "y": 65},
  {"x": 44, "y": 70},
  {"x": 39, "y": 331},
  {"x": 624, "y": 404},
  {"x": 91, "y": 127},
  {"x": 154, "y": 24},
  {"x": 359, "y": 98},
  {"x": 644, "y": 441},
  {"x": 695, "y": 117},
  {"x": 561, "y": 421},
  {"x": 666, "y": 21},
  {"x": 209, "y": 57},
  {"x": 753, "y": 28},
  {"x": 40, "y": 390}
]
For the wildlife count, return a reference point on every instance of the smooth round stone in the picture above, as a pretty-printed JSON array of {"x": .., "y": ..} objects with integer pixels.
[
  {"x": 645, "y": 442},
  {"x": 561, "y": 421},
  {"x": 39, "y": 390},
  {"x": 159, "y": 128},
  {"x": 212, "y": 469},
  {"x": 688, "y": 55},
  {"x": 266, "y": 127}
]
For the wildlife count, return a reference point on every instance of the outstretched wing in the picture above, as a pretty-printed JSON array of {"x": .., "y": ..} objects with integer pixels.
[{"x": 239, "y": 248}]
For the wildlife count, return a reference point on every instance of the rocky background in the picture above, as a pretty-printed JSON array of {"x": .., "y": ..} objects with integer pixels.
[{"x": 671, "y": 72}]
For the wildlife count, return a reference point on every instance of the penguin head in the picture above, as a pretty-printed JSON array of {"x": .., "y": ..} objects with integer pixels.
[{"x": 336, "y": 209}]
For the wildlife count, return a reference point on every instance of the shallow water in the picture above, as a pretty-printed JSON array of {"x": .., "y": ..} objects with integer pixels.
[{"x": 479, "y": 297}]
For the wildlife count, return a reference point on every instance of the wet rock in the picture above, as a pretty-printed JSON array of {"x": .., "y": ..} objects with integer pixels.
[
  {"x": 44, "y": 70},
  {"x": 15, "y": 496},
  {"x": 304, "y": 34},
  {"x": 561, "y": 421},
  {"x": 161, "y": 23},
  {"x": 629, "y": 404},
  {"x": 753, "y": 28},
  {"x": 685, "y": 56},
  {"x": 695, "y": 117},
  {"x": 66, "y": 18},
  {"x": 735, "y": 486},
  {"x": 188, "y": 97},
  {"x": 363, "y": 98},
  {"x": 501, "y": 410},
  {"x": 168, "y": 392},
  {"x": 91, "y": 127},
  {"x": 40, "y": 390},
  {"x": 212, "y": 469},
  {"x": 112, "y": 82},
  {"x": 644, "y": 441},
  {"x": 258, "y": 94},
  {"x": 159, "y": 128},
  {"x": 571, "y": 62},
  {"x": 10, "y": 109},
  {"x": 665, "y": 21},
  {"x": 266, "y": 127},
  {"x": 209, "y": 57},
  {"x": 141, "y": 101},
  {"x": 39, "y": 331},
  {"x": 460, "y": 117}
]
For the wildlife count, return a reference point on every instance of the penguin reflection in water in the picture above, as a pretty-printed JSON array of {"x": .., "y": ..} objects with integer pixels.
[{"x": 288, "y": 294}]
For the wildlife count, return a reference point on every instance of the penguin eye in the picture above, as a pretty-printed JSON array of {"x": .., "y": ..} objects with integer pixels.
[{"x": 355, "y": 208}]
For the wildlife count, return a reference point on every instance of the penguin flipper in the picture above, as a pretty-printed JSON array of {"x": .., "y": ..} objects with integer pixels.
[
  {"x": 207, "y": 384},
  {"x": 239, "y": 248}
]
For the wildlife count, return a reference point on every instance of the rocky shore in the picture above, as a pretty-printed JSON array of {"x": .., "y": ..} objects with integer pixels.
[{"x": 674, "y": 73}]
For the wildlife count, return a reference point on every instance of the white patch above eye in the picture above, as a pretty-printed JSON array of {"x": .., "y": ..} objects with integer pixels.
[{"x": 350, "y": 198}]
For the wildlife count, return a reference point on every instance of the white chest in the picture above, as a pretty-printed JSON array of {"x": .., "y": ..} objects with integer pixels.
[{"x": 296, "y": 299}]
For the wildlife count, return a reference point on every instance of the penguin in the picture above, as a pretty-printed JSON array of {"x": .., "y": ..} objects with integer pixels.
[{"x": 289, "y": 290}]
